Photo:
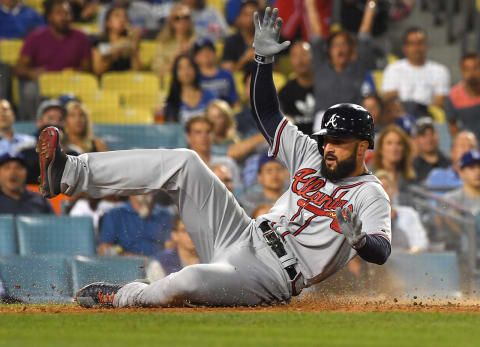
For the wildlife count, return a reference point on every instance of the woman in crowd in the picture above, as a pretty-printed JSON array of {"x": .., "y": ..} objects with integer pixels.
[
  {"x": 117, "y": 48},
  {"x": 78, "y": 128},
  {"x": 394, "y": 153},
  {"x": 186, "y": 99},
  {"x": 221, "y": 115},
  {"x": 176, "y": 38}
]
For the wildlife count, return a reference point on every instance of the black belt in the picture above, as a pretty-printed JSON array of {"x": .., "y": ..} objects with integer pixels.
[{"x": 276, "y": 244}]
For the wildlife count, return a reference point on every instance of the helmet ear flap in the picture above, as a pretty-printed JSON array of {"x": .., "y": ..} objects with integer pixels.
[{"x": 319, "y": 139}]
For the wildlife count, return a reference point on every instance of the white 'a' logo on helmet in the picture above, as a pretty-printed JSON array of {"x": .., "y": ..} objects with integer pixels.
[{"x": 332, "y": 121}]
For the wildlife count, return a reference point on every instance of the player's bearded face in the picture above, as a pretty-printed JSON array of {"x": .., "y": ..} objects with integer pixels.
[{"x": 341, "y": 168}]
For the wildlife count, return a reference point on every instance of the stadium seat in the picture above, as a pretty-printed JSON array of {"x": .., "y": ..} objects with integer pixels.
[
  {"x": 25, "y": 127},
  {"x": 122, "y": 116},
  {"x": 36, "y": 4},
  {"x": 87, "y": 28},
  {"x": 118, "y": 136},
  {"x": 147, "y": 101},
  {"x": 55, "y": 235},
  {"x": 53, "y": 84},
  {"x": 377, "y": 78},
  {"x": 120, "y": 270},
  {"x": 239, "y": 84},
  {"x": 10, "y": 51},
  {"x": 148, "y": 49},
  {"x": 219, "y": 45},
  {"x": 101, "y": 99},
  {"x": 279, "y": 79},
  {"x": 218, "y": 4},
  {"x": 126, "y": 82},
  {"x": 8, "y": 243},
  {"x": 37, "y": 279}
]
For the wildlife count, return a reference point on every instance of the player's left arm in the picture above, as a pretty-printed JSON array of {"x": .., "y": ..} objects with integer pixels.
[{"x": 369, "y": 230}]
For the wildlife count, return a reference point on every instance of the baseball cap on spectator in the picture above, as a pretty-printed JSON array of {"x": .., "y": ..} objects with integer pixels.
[
  {"x": 8, "y": 157},
  {"x": 265, "y": 158},
  {"x": 202, "y": 43},
  {"x": 406, "y": 124},
  {"x": 469, "y": 158},
  {"x": 49, "y": 104},
  {"x": 422, "y": 124}
]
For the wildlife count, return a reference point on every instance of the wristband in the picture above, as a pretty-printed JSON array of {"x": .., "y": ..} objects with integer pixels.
[{"x": 263, "y": 60}]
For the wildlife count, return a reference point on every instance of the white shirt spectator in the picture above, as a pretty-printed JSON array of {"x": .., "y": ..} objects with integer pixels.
[
  {"x": 409, "y": 224},
  {"x": 210, "y": 23},
  {"x": 416, "y": 83}
]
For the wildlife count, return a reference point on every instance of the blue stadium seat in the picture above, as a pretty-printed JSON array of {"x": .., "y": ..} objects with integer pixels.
[
  {"x": 25, "y": 127},
  {"x": 37, "y": 279},
  {"x": 127, "y": 136},
  {"x": 8, "y": 244},
  {"x": 121, "y": 270},
  {"x": 426, "y": 274},
  {"x": 55, "y": 235},
  {"x": 130, "y": 136}
]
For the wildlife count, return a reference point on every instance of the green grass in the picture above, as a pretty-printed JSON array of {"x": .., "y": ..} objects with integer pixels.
[{"x": 240, "y": 329}]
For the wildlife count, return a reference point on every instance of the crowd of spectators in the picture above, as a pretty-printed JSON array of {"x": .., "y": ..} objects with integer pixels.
[{"x": 207, "y": 66}]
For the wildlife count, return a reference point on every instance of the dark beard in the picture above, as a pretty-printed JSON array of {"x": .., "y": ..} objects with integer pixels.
[{"x": 342, "y": 170}]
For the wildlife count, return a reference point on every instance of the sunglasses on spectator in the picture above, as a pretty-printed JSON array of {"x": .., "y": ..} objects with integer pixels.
[{"x": 179, "y": 18}]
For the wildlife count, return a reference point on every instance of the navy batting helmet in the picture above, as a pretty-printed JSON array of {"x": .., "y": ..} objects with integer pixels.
[{"x": 346, "y": 120}]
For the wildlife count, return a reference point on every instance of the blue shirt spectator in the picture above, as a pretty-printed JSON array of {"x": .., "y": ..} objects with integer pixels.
[
  {"x": 138, "y": 227},
  {"x": 187, "y": 111},
  {"x": 11, "y": 142},
  {"x": 17, "y": 19},
  {"x": 222, "y": 84},
  {"x": 441, "y": 177},
  {"x": 212, "y": 77},
  {"x": 463, "y": 142}
]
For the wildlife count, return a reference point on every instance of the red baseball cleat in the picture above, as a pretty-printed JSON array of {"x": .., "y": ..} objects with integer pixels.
[{"x": 52, "y": 161}]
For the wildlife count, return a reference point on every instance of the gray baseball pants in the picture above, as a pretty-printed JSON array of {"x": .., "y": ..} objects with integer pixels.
[{"x": 236, "y": 267}]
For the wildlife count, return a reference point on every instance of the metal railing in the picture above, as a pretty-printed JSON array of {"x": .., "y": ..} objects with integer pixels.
[{"x": 440, "y": 213}]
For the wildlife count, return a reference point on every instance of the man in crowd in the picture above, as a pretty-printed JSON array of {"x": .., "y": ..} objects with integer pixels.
[
  {"x": 219, "y": 81},
  {"x": 208, "y": 21},
  {"x": 54, "y": 47},
  {"x": 14, "y": 197},
  {"x": 297, "y": 98},
  {"x": 418, "y": 82},
  {"x": 449, "y": 177},
  {"x": 238, "y": 49},
  {"x": 429, "y": 155},
  {"x": 50, "y": 112},
  {"x": 271, "y": 177},
  {"x": 468, "y": 195},
  {"x": 139, "y": 227},
  {"x": 463, "y": 102},
  {"x": 17, "y": 19},
  {"x": 199, "y": 135},
  {"x": 11, "y": 142}
]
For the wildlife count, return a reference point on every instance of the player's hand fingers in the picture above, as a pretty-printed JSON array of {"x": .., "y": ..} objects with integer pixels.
[
  {"x": 284, "y": 45},
  {"x": 349, "y": 215},
  {"x": 273, "y": 19},
  {"x": 266, "y": 17},
  {"x": 278, "y": 27},
  {"x": 256, "y": 21},
  {"x": 341, "y": 220}
]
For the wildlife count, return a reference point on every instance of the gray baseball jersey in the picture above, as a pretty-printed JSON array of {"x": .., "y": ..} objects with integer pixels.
[{"x": 305, "y": 213}]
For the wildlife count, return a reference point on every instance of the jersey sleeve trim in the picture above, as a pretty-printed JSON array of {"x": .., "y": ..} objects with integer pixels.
[{"x": 278, "y": 138}]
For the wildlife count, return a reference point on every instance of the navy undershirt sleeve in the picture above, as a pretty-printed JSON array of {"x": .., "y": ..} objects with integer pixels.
[
  {"x": 376, "y": 249},
  {"x": 264, "y": 101}
]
